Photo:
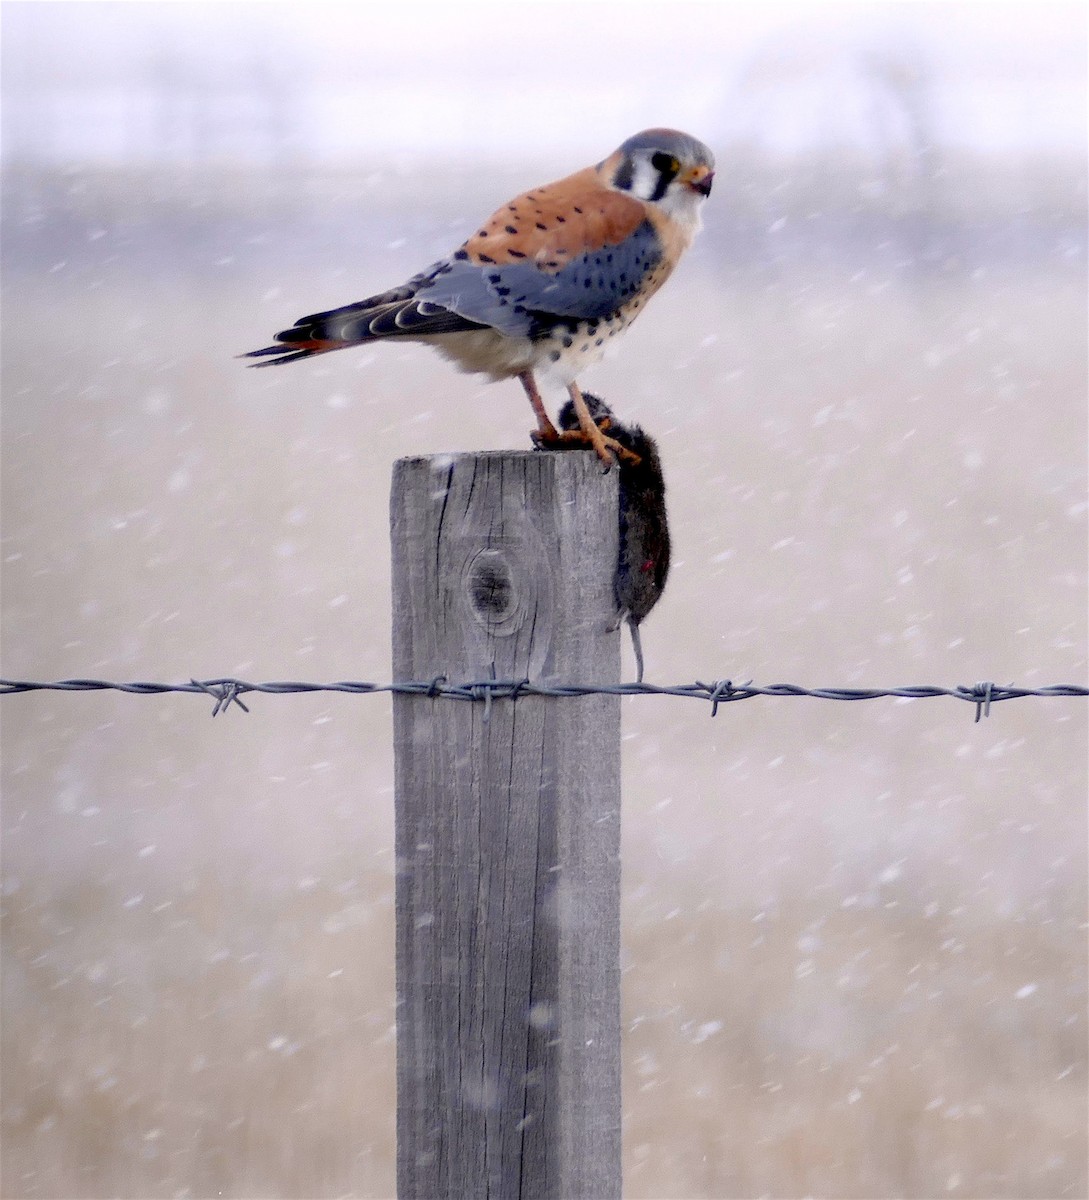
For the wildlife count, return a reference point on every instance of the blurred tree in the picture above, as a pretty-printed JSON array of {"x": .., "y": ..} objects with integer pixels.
[{"x": 856, "y": 123}]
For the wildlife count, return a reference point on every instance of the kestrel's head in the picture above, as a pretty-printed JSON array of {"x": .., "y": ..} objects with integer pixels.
[{"x": 663, "y": 167}]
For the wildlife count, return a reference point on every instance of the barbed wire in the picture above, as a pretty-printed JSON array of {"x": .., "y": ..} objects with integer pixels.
[{"x": 485, "y": 691}]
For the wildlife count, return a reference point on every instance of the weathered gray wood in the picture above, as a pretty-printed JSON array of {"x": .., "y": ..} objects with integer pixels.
[{"x": 508, "y": 830}]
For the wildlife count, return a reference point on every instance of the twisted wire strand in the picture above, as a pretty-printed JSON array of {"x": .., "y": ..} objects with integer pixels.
[{"x": 227, "y": 691}]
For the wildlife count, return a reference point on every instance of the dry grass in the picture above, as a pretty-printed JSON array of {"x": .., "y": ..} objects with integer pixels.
[
  {"x": 192, "y": 1045},
  {"x": 860, "y": 1052},
  {"x": 221, "y": 1042}
]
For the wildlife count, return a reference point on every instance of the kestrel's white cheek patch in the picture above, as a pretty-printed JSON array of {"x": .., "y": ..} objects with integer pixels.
[{"x": 645, "y": 179}]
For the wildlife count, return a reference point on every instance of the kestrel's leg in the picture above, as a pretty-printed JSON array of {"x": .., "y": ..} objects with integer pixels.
[
  {"x": 546, "y": 431},
  {"x": 546, "y": 435}
]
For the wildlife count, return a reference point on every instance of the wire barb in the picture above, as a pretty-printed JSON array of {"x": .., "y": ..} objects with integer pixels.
[
  {"x": 723, "y": 690},
  {"x": 225, "y": 691},
  {"x": 984, "y": 695}
]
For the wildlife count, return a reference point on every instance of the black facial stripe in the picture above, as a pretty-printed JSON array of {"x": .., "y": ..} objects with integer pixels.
[
  {"x": 667, "y": 167},
  {"x": 624, "y": 175},
  {"x": 665, "y": 178}
]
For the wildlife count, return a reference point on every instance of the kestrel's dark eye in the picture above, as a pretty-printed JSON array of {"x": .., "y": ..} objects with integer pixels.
[{"x": 665, "y": 163}]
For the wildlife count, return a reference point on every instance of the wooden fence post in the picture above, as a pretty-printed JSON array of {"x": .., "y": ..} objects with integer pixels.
[{"x": 507, "y": 830}]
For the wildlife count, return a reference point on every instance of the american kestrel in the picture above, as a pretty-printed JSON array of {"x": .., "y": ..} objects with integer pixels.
[
  {"x": 643, "y": 561},
  {"x": 545, "y": 282}
]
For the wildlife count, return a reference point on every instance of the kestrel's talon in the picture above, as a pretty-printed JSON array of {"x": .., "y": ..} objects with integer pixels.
[
  {"x": 544, "y": 283},
  {"x": 601, "y": 449},
  {"x": 628, "y": 458}
]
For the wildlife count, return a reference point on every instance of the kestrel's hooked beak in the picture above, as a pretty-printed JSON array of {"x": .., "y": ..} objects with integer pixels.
[{"x": 699, "y": 179}]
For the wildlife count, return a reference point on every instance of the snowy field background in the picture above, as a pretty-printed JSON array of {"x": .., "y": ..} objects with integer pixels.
[{"x": 854, "y": 935}]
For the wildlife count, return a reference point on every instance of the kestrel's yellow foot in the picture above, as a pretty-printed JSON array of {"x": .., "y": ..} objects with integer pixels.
[
  {"x": 608, "y": 449},
  {"x": 577, "y": 439},
  {"x": 572, "y": 437},
  {"x": 546, "y": 435}
]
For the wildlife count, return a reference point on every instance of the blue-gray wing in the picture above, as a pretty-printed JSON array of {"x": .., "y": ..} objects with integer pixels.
[{"x": 521, "y": 298}]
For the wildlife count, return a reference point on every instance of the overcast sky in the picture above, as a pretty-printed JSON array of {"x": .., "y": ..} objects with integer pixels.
[{"x": 471, "y": 78}]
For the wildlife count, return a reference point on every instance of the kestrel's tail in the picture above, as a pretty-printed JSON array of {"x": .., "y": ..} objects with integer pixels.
[
  {"x": 318, "y": 334},
  {"x": 393, "y": 314},
  {"x": 285, "y": 354}
]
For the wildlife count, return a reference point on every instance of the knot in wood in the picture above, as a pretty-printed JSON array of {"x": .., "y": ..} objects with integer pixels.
[
  {"x": 495, "y": 590},
  {"x": 490, "y": 586}
]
